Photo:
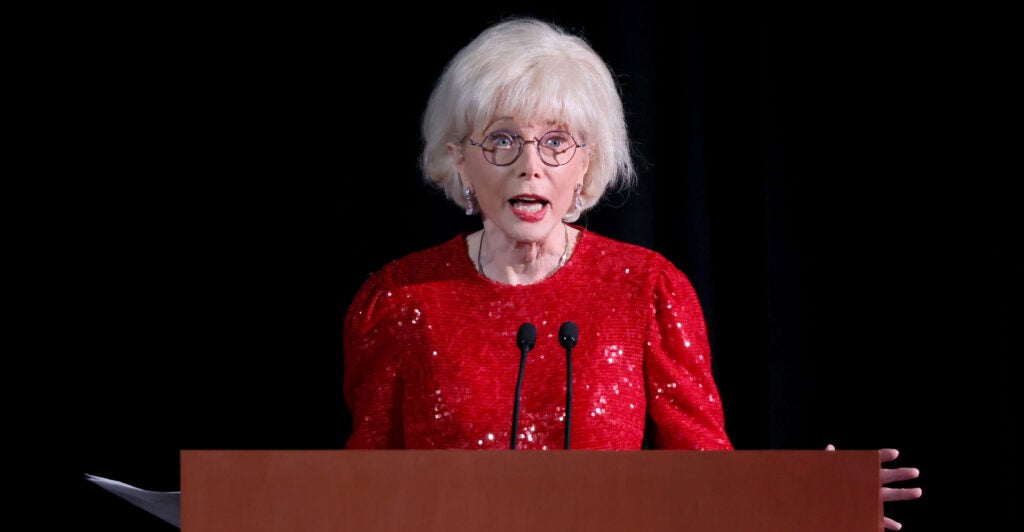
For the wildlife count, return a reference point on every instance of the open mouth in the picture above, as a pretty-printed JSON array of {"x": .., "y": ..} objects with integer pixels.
[{"x": 528, "y": 204}]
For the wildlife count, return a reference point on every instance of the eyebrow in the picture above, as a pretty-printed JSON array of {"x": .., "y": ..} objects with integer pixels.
[{"x": 549, "y": 122}]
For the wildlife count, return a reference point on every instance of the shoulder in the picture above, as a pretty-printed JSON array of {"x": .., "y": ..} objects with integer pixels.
[
  {"x": 375, "y": 296},
  {"x": 426, "y": 262},
  {"x": 621, "y": 261},
  {"x": 615, "y": 252},
  {"x": 446, "y": 260}
]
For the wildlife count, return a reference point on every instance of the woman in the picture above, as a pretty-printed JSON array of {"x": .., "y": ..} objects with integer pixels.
[{"x": 526, "y": 129}]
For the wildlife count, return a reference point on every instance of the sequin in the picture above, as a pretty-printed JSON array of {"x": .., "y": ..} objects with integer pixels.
[{"x": 431, "y": 360}]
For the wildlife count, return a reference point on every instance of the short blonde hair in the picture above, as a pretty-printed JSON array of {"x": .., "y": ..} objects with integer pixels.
[{"x": 530, "y": 69}]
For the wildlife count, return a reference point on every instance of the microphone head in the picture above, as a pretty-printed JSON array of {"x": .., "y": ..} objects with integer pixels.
[
  {"x": 568, "y": 334},
  {"x": 526, "y": 338}
]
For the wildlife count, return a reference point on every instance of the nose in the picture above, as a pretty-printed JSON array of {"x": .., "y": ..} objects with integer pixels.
[{"x": 530, "y": 159}]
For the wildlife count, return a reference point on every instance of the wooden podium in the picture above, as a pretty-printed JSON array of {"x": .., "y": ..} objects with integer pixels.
[{"x": 451, "y": 491}]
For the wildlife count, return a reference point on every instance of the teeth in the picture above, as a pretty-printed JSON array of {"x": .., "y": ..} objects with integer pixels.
[{"x": 528, "y": 207}]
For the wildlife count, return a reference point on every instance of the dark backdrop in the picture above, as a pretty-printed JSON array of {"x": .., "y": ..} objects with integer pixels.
[{"x": 225, "y": 179}]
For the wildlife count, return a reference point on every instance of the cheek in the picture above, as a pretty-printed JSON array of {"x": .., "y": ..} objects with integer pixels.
[
  {"x": 481, "y": 175},
  {"x": 486, "y": 182},
  {"x": 568, "y": 195}
]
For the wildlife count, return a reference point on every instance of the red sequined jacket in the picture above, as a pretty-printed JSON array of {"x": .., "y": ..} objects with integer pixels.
[{"x": 431, "y": 360}]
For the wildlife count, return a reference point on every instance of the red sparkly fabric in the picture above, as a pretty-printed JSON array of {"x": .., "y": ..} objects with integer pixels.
[{"x": 431, "y": 360}]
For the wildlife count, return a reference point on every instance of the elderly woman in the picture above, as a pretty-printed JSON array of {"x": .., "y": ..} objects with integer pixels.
[{"x": 526, "y": 129}]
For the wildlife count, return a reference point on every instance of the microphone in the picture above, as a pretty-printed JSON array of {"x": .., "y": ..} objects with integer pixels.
[
  {"x": 526, "y": 338},
  {"x": 568, "y": 334}
]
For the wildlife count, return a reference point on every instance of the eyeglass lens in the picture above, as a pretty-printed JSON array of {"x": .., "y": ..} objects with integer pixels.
[{"x": 555, "y": 148}]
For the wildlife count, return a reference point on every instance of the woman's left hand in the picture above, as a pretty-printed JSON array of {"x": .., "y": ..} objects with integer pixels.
[{"x": 889, "y": 476}]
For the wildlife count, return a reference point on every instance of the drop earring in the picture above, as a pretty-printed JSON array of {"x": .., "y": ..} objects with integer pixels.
[
  {"x": 577, "y": 202},
  {"x": 468, "y": 194}
]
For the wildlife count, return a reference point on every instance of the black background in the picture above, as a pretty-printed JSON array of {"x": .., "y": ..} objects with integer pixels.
[{"x": 212, "y": 185}]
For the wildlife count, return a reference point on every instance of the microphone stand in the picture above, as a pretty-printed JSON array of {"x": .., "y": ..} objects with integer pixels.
[
  {"x": 526, "y": 338},
  {"x": 568, "y": 334}
]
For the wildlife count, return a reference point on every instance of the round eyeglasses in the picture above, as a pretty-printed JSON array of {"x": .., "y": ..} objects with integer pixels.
[{"x": 502, "y": 148}]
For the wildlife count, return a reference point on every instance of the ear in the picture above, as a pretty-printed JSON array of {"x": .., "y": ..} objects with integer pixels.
[
  {"x": 458, "y": 156},
  {"x": 585, "y": 165}
]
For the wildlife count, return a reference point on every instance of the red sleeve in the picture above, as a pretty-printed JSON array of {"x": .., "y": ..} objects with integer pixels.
[
  {"x": 372, "y": 384},
  {"x": 682, "y": 396}
]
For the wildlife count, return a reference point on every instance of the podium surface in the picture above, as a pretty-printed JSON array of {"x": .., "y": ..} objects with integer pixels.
[{"x": 454, "y": 490}]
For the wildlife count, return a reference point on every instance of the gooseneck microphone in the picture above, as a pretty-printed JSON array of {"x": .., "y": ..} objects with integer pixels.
[
  {"x": 526, "y": 338},
  {"x": 568, "y": 335}
]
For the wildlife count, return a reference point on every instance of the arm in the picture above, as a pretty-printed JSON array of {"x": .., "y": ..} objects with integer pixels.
[
  {"x": 372, "y": 380},
  {"x": 682, "y": 397}
]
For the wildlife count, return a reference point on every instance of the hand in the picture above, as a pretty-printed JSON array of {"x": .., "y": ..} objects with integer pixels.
[{"x": 888, "y": 476}]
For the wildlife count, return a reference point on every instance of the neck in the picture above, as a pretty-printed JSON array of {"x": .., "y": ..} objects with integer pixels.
[{"x": 522, "y": 267}]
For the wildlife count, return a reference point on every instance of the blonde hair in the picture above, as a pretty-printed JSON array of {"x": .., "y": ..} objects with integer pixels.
[{"x": 528, "y": 68}]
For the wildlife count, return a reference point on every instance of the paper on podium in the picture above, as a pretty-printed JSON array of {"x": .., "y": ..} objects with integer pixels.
[{"x": 164, "y": 504}]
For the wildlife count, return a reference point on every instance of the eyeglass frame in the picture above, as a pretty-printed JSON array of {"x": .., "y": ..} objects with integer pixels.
[{"x": 522, "y": 141}]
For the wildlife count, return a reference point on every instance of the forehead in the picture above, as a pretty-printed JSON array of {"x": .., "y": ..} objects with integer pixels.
[{"x": 512, "y": 122}]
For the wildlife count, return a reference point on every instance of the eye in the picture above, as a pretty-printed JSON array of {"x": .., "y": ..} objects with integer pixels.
[
  {"x": 500, "y": 140},
  {"x": 556, "y": 140}
]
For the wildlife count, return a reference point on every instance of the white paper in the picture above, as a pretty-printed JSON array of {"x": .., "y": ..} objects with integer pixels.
[{"x": 164, "y": 504}]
